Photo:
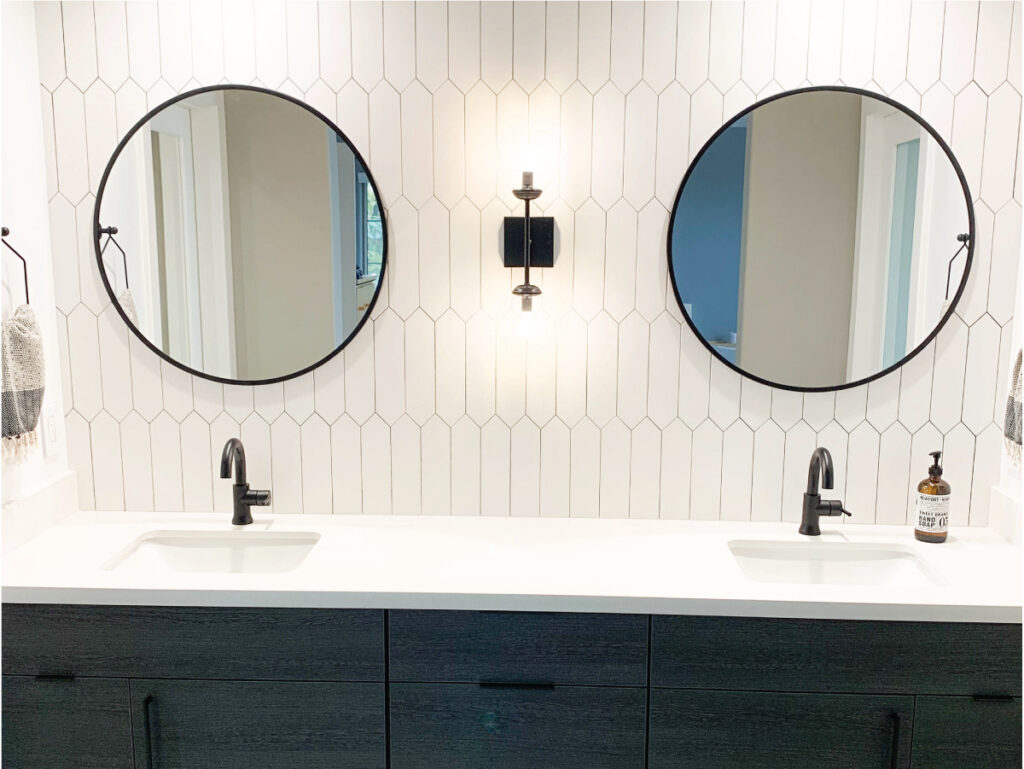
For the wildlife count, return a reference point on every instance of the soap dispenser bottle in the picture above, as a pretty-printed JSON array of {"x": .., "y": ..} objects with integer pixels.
[{"x": 933, "y": 504}]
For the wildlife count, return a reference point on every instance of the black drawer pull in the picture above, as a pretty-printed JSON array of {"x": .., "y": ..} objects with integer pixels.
[
  {"x": 55, "y": 676},
  {"x": 147, "y": 726},
  {"x": 894, "y": 747},
  {"x": 516, "y": 685},
  {"x": 992, "y": 697}
]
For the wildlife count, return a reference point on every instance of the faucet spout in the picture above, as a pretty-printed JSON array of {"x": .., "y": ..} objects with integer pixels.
[
  {"x": 821, "y": 464},
  {"x": 233, "y": 454}
]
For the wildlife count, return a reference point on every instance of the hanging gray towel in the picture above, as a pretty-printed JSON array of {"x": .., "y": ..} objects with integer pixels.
[
  {"x": 1012, "y": 423},
  {"x": 24, "y": 378}
]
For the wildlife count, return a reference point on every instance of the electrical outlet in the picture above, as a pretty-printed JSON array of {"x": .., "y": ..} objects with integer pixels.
[{"x": 49, "y": 435}]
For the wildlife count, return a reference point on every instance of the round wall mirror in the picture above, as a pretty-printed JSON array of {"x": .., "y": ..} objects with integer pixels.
[
  {"x": 820, "y": 239},
  {"x": 240, "y": 234}
]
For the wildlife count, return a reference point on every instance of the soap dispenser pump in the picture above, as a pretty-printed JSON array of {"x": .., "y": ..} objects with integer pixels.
[{"x": 933, "y": 495}]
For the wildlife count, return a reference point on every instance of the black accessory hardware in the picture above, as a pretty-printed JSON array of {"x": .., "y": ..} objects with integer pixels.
[
  {"x": 992, "y": 697},
  {"x": 965, "y": 240},
  {"x": 814, "y": 505},
  {"x": 55, "y": 676},
  {"x": 147, "y": 727},
  {"x": 245, "y": 498},
  {"x": 485, "y": 684},
  {"x": 894, "y": 748},
  {"x": 526, "y": 290},
  {"x": 542, "y": 241},
  {"x": 110, "y": 232},
  {"x": 24, "y": 263}
]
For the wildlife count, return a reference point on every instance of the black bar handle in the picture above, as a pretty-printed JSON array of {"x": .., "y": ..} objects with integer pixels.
[
  {"x": 147, "y": 727},
  {"x": 992, "y": 697},
  {"x": 55, "y": 676},
  {"x": 485, "y": 684},
  {"x": 894, "y": 748}
]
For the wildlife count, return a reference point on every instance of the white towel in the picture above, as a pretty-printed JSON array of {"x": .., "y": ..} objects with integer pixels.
[
  {"x": 24, "y": 379},
  {"x": 127, "y": 302}
]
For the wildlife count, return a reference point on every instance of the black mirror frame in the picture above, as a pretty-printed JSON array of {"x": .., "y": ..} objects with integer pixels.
[
  {"x": 942, "y": 321},
  {"x": 110, "y": 290}
]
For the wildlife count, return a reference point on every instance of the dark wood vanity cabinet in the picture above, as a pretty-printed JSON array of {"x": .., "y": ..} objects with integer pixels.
[
  {"x": 257, "y": 724},
  {"x": 66, "y": 723},
  {"x": 735, "y": 730},
  {"x": 473, "y": 726},
  {"x": 967, "y": 733},
  {"x": 164, "y": 687}
]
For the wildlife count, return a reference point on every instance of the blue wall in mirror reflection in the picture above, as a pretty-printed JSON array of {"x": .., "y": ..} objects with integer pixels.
[{"x": 707, "y": 237}]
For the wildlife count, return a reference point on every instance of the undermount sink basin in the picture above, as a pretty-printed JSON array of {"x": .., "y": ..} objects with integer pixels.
[
  {"x": 830, "y": 563},
  {"x": 210, "y": 552}
]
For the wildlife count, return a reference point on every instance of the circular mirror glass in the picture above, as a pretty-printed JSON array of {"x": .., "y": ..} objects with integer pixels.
[
  {"x": 820, "y": 239},
  {"x": 240, "y": 234}
]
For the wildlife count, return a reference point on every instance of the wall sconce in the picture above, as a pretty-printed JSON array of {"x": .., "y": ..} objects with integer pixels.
[
  {"x": 529, "y": 242},
  {"x": 526, "y": 290}
]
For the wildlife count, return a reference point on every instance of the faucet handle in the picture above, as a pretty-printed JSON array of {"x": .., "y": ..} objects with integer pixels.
[
  {"x": 835, "y": 507},
  {"x": 257, "y": 497}
]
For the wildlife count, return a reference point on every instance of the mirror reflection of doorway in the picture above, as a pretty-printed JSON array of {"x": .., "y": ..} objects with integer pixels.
[{"x": 901, "y": 251}]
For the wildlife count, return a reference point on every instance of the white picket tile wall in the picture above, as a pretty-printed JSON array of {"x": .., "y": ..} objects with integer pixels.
[{"x": 611, "y": 408}]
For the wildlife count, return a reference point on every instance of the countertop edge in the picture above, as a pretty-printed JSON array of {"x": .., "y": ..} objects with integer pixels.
[{"x": 891, "y": 612}]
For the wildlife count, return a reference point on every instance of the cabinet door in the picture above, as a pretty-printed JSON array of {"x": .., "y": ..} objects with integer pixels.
[
  {"x": 737, "y": 730},
  {"x": 967, "y": 733},
  {"x": 257, "y": 725},
  {"x": 81, "y": 723},
  {"x": 468, "y": 726}
]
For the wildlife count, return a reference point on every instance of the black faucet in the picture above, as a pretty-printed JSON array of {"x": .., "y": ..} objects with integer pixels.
[
  {"x": 814, "y": 505},
  {"x": 234, "y": 453}
]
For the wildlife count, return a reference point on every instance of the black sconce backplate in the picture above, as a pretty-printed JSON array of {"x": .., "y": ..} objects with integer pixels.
[{"x": 542, "y": 241}]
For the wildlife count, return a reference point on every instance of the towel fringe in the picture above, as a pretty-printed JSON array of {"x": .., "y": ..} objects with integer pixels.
[{"x": 17, "y": 447}]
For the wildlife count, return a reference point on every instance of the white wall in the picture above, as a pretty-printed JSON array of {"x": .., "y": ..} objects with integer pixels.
[
  {"x": 23, "y": 208},
  {"x": 280, "y": 235},
  {"x": 798, "y": 242},
  {"x": 612, "y": 408}
]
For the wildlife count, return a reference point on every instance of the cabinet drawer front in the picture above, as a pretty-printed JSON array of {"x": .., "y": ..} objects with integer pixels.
[
  {"x": 190, "y": 642},
  {"x": 835, "y": 655},
  {"x": 964, "y": 733},
  {"x": 605, "y": 649},
  {"x": 737, "y": 730},
  {"x": 258, "y": 725},
  {"x": 466, "y": 726},
  {"x": 72, "y": 724}
]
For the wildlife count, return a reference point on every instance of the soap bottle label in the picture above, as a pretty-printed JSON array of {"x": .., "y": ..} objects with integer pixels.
[{"x": 933, "y": 513}]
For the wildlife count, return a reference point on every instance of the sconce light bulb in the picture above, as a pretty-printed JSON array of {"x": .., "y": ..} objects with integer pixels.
[
  {"x": 526, "y": 318},
  {"x": 528, "y": 159}
]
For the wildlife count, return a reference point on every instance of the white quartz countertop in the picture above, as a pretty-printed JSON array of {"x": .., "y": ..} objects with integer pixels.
[{"x": 517, "y": 564}]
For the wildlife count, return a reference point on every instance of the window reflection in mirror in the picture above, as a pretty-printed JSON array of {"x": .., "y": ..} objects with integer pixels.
[
  {"x": 254, "y": 237},
  {"x": 811, "y": 239}
]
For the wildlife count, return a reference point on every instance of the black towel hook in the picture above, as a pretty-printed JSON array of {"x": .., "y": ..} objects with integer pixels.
[
  {"x": 964, "y": 239},
  {"x": 110, "y": 232},
  {"x": 24, "y": 263}
]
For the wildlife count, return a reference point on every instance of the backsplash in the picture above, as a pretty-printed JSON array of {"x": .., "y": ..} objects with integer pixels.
[{"x": 611, "y": 407}]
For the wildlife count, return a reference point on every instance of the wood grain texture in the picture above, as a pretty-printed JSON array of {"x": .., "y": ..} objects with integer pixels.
[
  {"x": 440, "y": 646},
  {"x": 78, "y": 724},
  {"x": 260, "y": 725},
  {"x": 464, "y": 726},
  {"x": 738, "y": 730},
  {"x": 835, "y": 656},
  {"x": 962, "y": 733},
  {"x": 191, "y": 642}
]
